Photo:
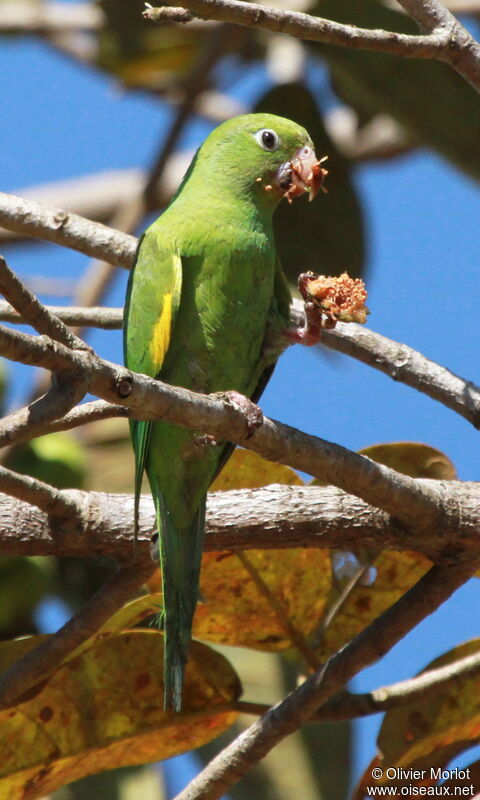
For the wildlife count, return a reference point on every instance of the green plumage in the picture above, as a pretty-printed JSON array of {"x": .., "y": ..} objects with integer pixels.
[{"x": 205, "y": 290}]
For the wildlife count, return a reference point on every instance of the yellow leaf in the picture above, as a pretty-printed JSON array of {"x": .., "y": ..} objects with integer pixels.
[
  {"x": 104, "y": 709},
  {"x": 247, "y": 470},
  {"x": 414, "y": 459},
  {"x": 395, "y": 573},
  {"x": 235, "y": 612},
  {"x": 448, "y": 721}
]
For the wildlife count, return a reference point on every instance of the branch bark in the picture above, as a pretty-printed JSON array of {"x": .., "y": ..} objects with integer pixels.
[
  {"x": 75, "y": 316},
  {"x": 33, "y": 311},
  {"x": 447, "y": 40},
  {"x": 69, "y": 230},
  {"x": 396, "y": 360},
  {"x": 429, "y": 683},
  {"x": 397, "y": 494},
  {"x": 274, "y": 517}
]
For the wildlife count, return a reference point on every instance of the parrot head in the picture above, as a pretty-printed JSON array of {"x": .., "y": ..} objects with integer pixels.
[{"x": 263, "y": 155}]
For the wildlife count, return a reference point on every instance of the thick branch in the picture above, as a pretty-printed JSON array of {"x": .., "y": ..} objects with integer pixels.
[
  {"x": 397, "y": 494},
  {"x": 286, "y": 717},
  {"x": 269, "y": 518},
  {"x": 448, "y": 42}
]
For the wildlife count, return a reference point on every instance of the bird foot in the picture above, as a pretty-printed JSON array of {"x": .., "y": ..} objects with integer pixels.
[
  {"x": 311, "y": 332},
  {"x": 317, "y": 318},
  {"x": 253, "y": 414}
]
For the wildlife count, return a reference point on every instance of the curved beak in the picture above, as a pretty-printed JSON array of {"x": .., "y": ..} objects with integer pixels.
[{"x": 303, "y": 174}]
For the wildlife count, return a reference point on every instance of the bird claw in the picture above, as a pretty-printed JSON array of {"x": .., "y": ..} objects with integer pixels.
[
  {"x": 311, "y": 332},
  {"x": 253, "y": 414},
  {"x": 316, "y": 317}
]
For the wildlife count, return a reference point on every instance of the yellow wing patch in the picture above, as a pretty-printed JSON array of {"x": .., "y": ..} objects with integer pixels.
[{"x": 161, "y": 333}]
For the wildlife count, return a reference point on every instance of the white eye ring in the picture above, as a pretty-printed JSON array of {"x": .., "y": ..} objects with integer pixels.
[{"x": 268, "y": 139}]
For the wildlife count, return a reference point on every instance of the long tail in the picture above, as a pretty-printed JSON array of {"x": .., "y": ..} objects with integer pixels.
[{"x": 180, "y": 557}]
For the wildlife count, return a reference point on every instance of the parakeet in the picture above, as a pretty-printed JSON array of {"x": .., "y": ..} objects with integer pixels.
[{"x": 204, "y": 295}]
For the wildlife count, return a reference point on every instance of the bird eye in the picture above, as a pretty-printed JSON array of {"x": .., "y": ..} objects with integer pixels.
[{"x": 267, "y": 139}]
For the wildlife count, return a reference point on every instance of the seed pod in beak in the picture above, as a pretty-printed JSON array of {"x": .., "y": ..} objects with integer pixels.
[{"x": 303, "y": 174}]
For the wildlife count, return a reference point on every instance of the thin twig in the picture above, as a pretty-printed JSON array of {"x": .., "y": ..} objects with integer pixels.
[
  {"x": 51, "y": 413},
  {"x": 54, "y": 502},
  {"x": 91, "y": 316},
  {"x": 297, "y": 638},
  {"x": 38, "y": 664},
  {"x": 432, "y": 682},
  {"x": 448, "y": 42},
  {"x": 346, "y": 705},
  {"x": 33, "y": 312},
  {"x": 337, "y": 605},
  {"x": 253, "y": 744}
]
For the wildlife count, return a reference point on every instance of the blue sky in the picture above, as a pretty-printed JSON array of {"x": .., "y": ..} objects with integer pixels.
[{"x": 60, "y": 120}]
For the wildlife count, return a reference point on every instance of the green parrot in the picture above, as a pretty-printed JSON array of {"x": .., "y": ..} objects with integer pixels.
[{"x": 205, "y": 296}]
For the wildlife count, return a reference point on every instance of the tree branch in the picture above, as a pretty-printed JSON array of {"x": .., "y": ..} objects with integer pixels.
[
  {"x": 432, "y": 682},
  {"x": 89, "y": 316},
  {"x": 400, "y": 362},
  {"x": 368, "y": 646},
  {"x": 268, "y": 518},
  {"x": 448, "y": 41},
  {"x": 346, "y": 705},
  {"x": 69, "y": 230},
  {"x": 51, "y": 413},
  {"x": 33, "y": 312},
  {"x": 53, "y": 502},
  {"x": 38, "y": 664},
  {"x": 397, "y": 494},
  {"x": 397, "y": 360},
  {"x": 403, "y": 364}
]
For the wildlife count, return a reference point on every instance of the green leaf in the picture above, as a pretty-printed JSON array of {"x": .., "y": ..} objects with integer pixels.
[
  {"x": 433, "y": 103},
  {"x": 24, "y": 582},
  {"x": 57, "y": 458},
  {"x": 331, "y": 228}
]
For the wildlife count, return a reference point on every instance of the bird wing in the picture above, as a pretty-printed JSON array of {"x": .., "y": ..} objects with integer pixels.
[{"x": 153, "y": 298}]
